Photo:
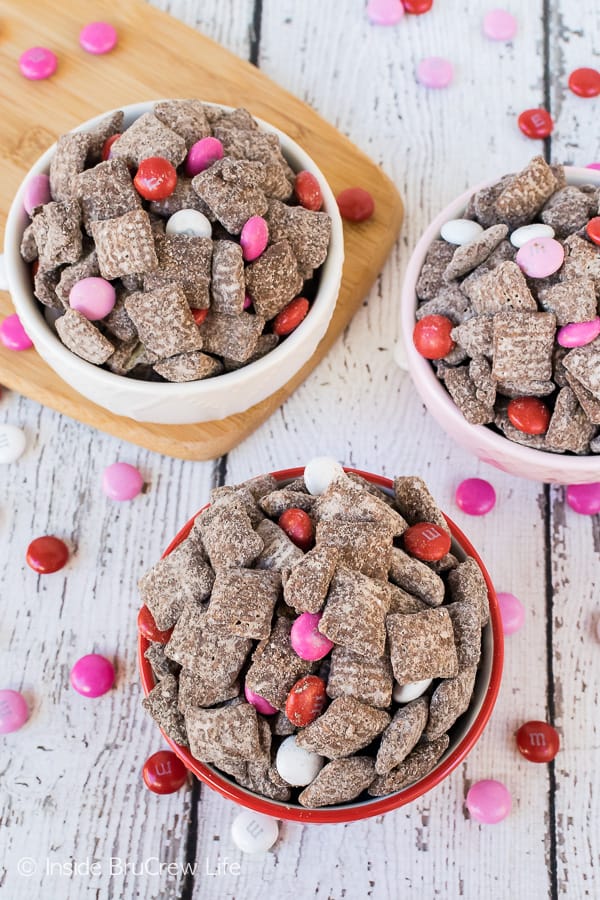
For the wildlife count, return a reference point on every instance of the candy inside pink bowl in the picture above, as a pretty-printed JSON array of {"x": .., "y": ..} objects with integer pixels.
[{"x": 484, "y": 441}]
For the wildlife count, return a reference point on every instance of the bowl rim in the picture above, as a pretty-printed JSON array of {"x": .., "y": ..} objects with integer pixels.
[
  {"x": 32, "y": 312},
  {"x": 429, "y": 386},
  {"x": 376, "y": 807}
]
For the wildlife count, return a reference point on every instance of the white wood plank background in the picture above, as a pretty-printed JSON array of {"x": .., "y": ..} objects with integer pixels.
[{"x": 69, "y": 781}]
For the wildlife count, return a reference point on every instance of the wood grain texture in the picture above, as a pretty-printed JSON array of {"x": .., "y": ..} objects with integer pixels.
[{"x": 77, "y": 801}]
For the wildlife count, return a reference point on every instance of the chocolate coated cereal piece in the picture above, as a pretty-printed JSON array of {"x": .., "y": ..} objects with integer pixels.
[
  {"x": 182, "y": 577},
  {"x": 28, "y": 248},
  {"x": 277, "y": 501},
  {"x": 45, "y": 282},
  {"x": 264, "y": 345},
  {"x": 403, "y": 602},
  {"x": 243, "y": 600},
  {"x": 482, "y": 205},
  {"x": 57, "y": 233},
  {"x": 184, "y": 367},
  {"x": 228, "y": 536},
  {"x": 416, "y": 503},
  {"x": 582, "y": 260},
  {"x": 431, "y": 280},
  {"x": 186, "y": 640},
  {"x": 308, "y": 232},
  {"x": 345, "y": 500},
  {"x": 450, "y": 700},
  {"x": 279, "y": 553},
  {"x": 164, "y": 321},
  {"x": 422, "y": 645},
  {"x": 147, "y": 137},
  {"x": 355, "y": 611},
  {"x": 480, "y": 373},
  {"x": 160, "y": 664},
  {"x": 229, "y": 731},
  {"x": 239, "y": 495},
  {"x": 569, "y": 428},
  {"x": 232, "y": 190},
  {"x": 203, "y": 691},
  {"x": 105, "y": 192},
  {"x": 401, "y": 735},
  {"x": 260, "y": 485},
  {"x": 466, "y": 621},
  {"x": 214, "y": 656},
  {"x": 125, "y": 245},
  {"x": 262, "y": 778},
  {"x": 308, "y": 582},
  {"x": 186, "y": 117},
  {"x": 415, "y": 577},
  {"x": 368, "y": 679},
  {"x": 83, "y": 338},
  {"x": 595, "y": 444},
  {"x": 568, "y": 210},
  {"x": 476, "y": 336},
  {"x": 228, "y": 283},
  {"x": 86, "y": 267},
  {"x": 282, "y": 726},
  {"x": 417, "y": 765},
  {"x": 468, "y": 256},
  {"x": 570, "y": 301},
  {"x": 583, "y": 363},
  {"x": 185, "y": 261},
  {"x": 463, "y": 391},
  {"x": 236, "y": 118},
  {"x": 234, "y": 337},
  {"x": 100, "y": 133},
  {"x": 527, "y": 192},
  {"x": 589, "y": 404},
  {"x": 273, "y": 279},
  {"x": 244, "y": 143},
  {"x": 344, "y": 728},
  {"x": 523, "y": 345},
  {"x": 161, "y": 703},
  {"x": 339, "y": 781},
  {"x": 183, "y": 197},
  {"x": 466, "y": 582},
  {"x": 275, "y": 666},
  {"x": 364, "y": 546},
  {"x": 67, "y": 162},
  {"x": 525, "y": 388},
  {"x": 502, "y": 289},
  {"x": 451, "y": 302}
]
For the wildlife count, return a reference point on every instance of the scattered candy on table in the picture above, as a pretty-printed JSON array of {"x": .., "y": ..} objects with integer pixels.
[
  {"x": 540, "y": 257},
  {"x": 93, "y": 297},
  {"x": 512, "y": 612},
  {"x": 299, "y": 527},
  {"x": 475, "y": 496},
  {"x": 584, "y": 498},
  {"x": 594, "y": 165},
  {"x": 290, "y": 316},
  {"x": 296, "y": 765},
  {"x": 355, "y": 204},
  {"x": 384, "y": 12},
  {"x": 417, "y": 7},
  {"x": 538, "y": 742},
  {"x": 203, "y": 154},
  {"x": 155, "y": 178},
  {"x": 164, "y": 772},
  {"x": 435, "y": 72},
  {"x": 307, "y": 640},
  {"x": 488, "y": 801},
  {"x": 593, "y": 226},
  {"x": 147, "y": 627},
  {"x": 308, "y": 191},
  {"x": 253, "y": 832},
  {"x": 460, "y": 231},
  {"x": 578, "y": 334},
  {"x": 13, "y": 711},
  {"x": 47, "y": 554},
  {"x": 37, "y": 63},
  {"x": 432, "y": 336},
  {"x": 499, "y": 25},
  {"x": 36, "y": 193},
  {"x": 527, "y": 233},
  {"x": 404, "y": 693},
  {"x": 585, "y": 82},
  {"x": 12, "y": 443},
  {"x": 121, "y": 481},
  {"x": 306, "y": 700},
  {"x": 261, "y": 705},
  {"x": 536, "y": 123},
  {"x": 320, "y": 472},
  {"x": 98, "y": 38},
  {"x": 254, "y": 238},
  {"x": 529, "y": 414},
  {"x": 93, "y": 675},
  {"x": 427, "y": 541},
  {"x": 13, "y": 335}
]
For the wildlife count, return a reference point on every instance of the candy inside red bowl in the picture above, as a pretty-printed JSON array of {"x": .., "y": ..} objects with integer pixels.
[{"x": 462, "y": 735}]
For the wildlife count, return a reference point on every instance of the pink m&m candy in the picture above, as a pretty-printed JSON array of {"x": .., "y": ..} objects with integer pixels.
[
  {"x": 13, "y": 711},
  {"x": 259, "y": 703},
  {"x": 120, "y": 481},
  {"x": 435, "y": 72},
  {"x": 384, "y": 12},
  {"x": 475, "y": 496},
  {"x": 254, "y": 237},
  {"x": 37, "y": 63},
  {"x": 578, "y": 334},
  {"x": 36, "y": 193},
  {"x": 499, "y": 25},
  {"x": 540, "y": 257},
  {"x": 584, "y": 498},
  {"x": 488, "y": 801},
  {"x": 247, "y": 301},
  {"x": 94, "y": 298},
  {"x": 98, "y": 38},
  {"x": 593, "y": 165},
  {"x": 203, "y": 154},
  {"x": 12, "y": 334},
  {"x": 92, "y": 675},
  {"x": 307, "y": 640},
  {"x": 512, "y": 613}
]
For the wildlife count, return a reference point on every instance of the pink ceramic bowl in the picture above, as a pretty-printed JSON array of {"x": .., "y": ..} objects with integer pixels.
[{"x": 485, "y": 443}]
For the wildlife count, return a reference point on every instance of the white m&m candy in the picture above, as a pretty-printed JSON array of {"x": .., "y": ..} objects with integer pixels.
[
  {"x": 404, "y": 693},
  {"x": 460, "y": 231},
  {"x": 526, "y": 233},
  {"x": 12, "y": 443},
  {"x": 296, "y": 765},
  {"x": 320, "y": 472},
  {"x": 191, "y": 222},
  {"x": 253, "y": 832}
]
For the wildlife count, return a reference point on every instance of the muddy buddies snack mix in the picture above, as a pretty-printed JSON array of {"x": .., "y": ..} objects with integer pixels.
[
  {"x": 286, "y": 665},
  {"x": 167, "y": 231},
  {"x": 510, "y": 318}
]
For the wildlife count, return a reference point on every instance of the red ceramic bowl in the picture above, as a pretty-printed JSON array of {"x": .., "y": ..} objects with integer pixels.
[{"x": 465, "y": 733}]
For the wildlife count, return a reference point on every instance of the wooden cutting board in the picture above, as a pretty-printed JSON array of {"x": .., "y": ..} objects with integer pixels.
[{"x": 159, "y": 57}]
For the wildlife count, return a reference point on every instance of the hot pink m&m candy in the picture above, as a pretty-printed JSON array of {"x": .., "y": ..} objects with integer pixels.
[
  {"x": 435, "y": 72},
  {"x": 37, "y": 192},
  {"x": 540, "y": 257},
  {"x": 120, "y": 481},
  {"x": 307, "y": 640},
  {"x": 94, "y": 298},
  {"x": 499, "y": 25},
  {"x": 37, "y": 63},
  {"x": 488, "y": 801},
  {"x": 98, "y": 38},
  {"x": 595, "y": 165},
  {"x": 247, "y": 301},
  {"x": 203, "y": 154},
  {"x": 512, "y": 613},
  {"x": 13, "y": 711},
  {"x": 254, "y": 238},
  {"x": 12, "y": 334},
  {"x": 384, "y": 12},
  {"x": 584, "y": 498},
  {"x": 475, "y": 496},
  {"x": 578, "y": 334},
  {"x": 92, "y": 675},
  {"x": 259, "y": 703}
]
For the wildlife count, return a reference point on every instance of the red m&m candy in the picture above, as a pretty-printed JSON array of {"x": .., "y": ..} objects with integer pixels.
[
  {"x": 107, "y": 145},
  {"x": 538, "y": 742},
  {"x": 47, "y": 554},
  {"x": 432, "y": 337},
  {"x": 355, "y": 204},
  {"x": 164, "y": 772},
  {"x": 299, "y": 527},
  {"x": 147, "y": 627},
  {"x": 417, "y": 7},
  {"x": 593, "y": 230},
  {"x": 306, "y": 701},
  {"x": 585, "y": 82},
  {"x": 290, "y": 316},
  {"x": 199, "y": 315},
  {"x": 536, "y": 123},
  {"x": 426, "y": 541},
  {"x": 308, "y": 191},
  {"x": 155, "y": 178},
  {"x": 529, "y": 415}
]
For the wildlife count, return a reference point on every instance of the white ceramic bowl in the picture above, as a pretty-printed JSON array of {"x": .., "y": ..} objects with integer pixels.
[
  {"x": 197, "y": 401},
  {"x": 488, "y": 445}
]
